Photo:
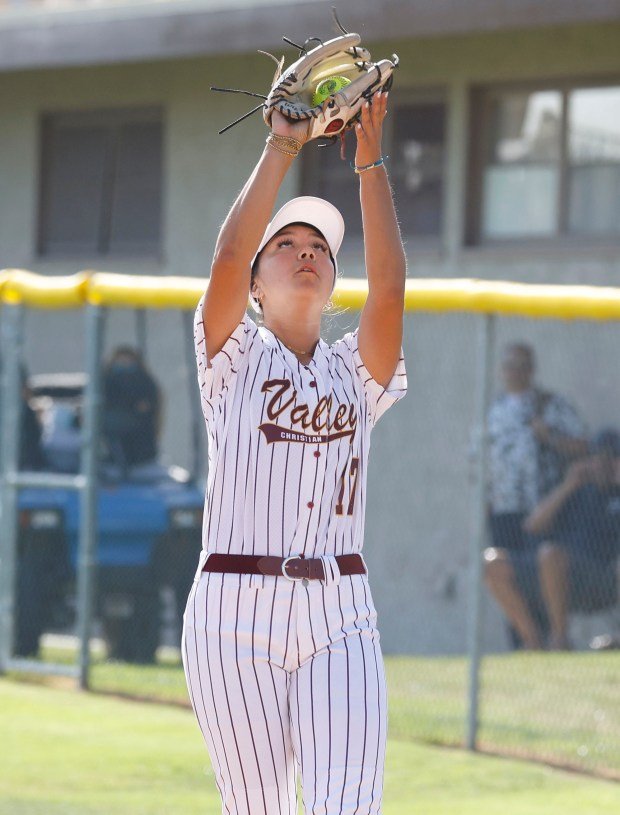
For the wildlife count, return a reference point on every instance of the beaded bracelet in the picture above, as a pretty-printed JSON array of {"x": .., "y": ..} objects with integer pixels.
[{"x": 378, "y": 163}]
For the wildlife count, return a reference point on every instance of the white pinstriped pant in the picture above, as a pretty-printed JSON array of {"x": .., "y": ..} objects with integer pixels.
[{"x": 284, "y": 675}]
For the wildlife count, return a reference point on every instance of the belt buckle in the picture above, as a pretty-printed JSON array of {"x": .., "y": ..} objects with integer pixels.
[{"x": 283, "y": 568}]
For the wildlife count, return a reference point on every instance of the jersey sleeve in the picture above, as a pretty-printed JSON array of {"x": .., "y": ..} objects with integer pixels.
[
  {"x": 215, "y": 375},
  {"x": 378, "y": 398}
]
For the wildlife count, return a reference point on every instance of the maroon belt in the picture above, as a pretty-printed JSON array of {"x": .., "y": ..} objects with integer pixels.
[{"x": 293, "y": 568}]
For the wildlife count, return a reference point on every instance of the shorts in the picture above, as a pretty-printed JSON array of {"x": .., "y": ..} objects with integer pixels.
[
  {"x": 593, "y": 584},
  {"x": 507, "y": 533}
]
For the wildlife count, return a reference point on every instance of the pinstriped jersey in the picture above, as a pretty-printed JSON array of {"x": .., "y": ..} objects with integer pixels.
[{"x": 288, "y": 443}]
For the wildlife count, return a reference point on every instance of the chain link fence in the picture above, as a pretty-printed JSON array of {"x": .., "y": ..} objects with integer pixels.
[
  {"x": 149, "y": 491},
  {"x": 459, "y": 670},
  {"x": 559, "y": 706}
]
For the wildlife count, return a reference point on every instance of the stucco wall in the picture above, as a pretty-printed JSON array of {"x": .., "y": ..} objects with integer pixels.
[
  {"x": 420, "y": 505},
  {"x": 204, "y": 171}
]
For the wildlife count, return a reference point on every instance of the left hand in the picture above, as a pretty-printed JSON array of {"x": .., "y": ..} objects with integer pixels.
[{"x": 369, "y": 129}]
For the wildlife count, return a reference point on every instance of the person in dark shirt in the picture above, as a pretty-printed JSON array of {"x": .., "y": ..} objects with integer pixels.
[
  {"x": 131, "y": 410},
  {"x": 31, "y": 456},
  {"x": 575, "y": 565},
  {"x": 30, "y": 451}
]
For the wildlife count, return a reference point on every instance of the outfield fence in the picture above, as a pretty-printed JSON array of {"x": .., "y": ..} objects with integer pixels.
[{"x": 460, "y": 679}]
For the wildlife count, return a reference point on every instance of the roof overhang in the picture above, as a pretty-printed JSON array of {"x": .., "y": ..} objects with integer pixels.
[{"x": 67, "y": 35}]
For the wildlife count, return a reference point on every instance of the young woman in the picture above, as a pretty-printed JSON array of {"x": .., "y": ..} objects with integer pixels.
[{"x": 280, "y": 646}]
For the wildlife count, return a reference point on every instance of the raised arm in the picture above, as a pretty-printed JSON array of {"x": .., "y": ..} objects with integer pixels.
[
  {"x": 566, "y": 445},
  {"x": 226, "y": 297},
  {"x": 381, "y": 321}
]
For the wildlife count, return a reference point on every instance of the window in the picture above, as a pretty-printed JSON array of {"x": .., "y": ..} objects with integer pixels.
[
  {"x": 551, "y": 163},
  {"x": 414, "y": 140},
  {"x": 101, "y": 183},
  {"x": 594, "y": 161}
]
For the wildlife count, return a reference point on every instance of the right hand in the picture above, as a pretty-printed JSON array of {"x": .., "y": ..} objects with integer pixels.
[
  {"x": 282, "y": 126},
  {"x": 578, "y": 474},
  {"x": 369, "y": 130}
]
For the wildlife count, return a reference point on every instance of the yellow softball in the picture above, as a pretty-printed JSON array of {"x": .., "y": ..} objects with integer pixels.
[{"x": 327, "y": 86}]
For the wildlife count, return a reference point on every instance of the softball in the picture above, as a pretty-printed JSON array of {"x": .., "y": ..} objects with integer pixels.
[{"x": 327, "y": 86}]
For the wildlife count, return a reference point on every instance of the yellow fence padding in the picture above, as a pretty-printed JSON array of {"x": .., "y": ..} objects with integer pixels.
[
  {"x": 141, "y": 291},
  {"x": 465, "y": 295},
  {"x": 515, "y": 299},
  {"x": 4, "y": 276},
  {"x": 43, "y": 291}
]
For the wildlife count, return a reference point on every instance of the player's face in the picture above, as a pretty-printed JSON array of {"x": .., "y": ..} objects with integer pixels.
[{"x": 295, "y": 268}]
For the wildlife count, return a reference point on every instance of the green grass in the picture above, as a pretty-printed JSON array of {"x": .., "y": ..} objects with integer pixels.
[
  {"x": 69, "y": 753},
  {"x": 562, "y": 708}
]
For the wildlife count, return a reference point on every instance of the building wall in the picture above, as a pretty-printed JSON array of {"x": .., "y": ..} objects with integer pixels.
[{"x": 421, "y": 492}]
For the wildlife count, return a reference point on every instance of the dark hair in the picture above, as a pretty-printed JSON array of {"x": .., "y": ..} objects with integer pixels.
[
  {"x": 606, "y": 441},
  {"x": 125, "y": 351}
]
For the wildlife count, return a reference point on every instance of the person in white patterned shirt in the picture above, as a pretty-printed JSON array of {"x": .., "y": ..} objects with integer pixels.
[{"x": 533, "y": 434}]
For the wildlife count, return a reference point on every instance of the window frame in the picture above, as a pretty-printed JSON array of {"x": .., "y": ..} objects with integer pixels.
[
  {"x": 112, "y": 118},
  {"x": 482, "y": 98},
  {"x": 436, "y": 94}
]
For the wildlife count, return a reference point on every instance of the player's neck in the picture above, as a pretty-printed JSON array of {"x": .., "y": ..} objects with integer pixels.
[{"x": 299, "y": 336}]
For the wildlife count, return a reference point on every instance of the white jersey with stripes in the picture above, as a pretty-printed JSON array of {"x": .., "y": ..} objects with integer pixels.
[{"x": 288, "y": 443}]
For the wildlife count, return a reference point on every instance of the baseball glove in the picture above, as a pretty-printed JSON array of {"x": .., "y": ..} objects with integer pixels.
[{"x": 326, "y": 86}]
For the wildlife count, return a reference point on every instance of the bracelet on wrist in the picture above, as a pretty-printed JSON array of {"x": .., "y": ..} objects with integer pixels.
[
  {"x": 280, "y": 150},
  {"x": 284, "y": 144},
  {"x": 364, "y": 168}
]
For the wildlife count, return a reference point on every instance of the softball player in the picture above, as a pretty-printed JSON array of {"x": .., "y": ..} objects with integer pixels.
[{"x": 280, "y": 645}]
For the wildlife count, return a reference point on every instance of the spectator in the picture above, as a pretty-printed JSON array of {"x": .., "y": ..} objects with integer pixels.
[
  {"x": 132, "y": 410},
  {"x": 576, "y": 565},
  {"x": 533, "y": 434},
  {"x": 31, "y": 456},
  {"x": 30, "y": 452}
]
